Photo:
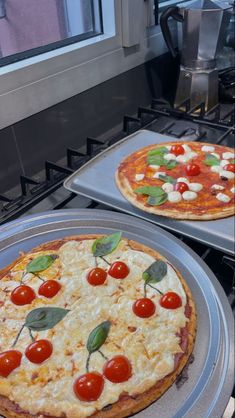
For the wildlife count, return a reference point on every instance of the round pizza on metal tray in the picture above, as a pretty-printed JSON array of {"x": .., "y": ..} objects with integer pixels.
[{"x": 91, "y": 326}]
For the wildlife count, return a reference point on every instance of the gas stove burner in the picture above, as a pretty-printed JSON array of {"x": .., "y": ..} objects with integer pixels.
[
  {"x": 194, "y": 134},
  {"x": 188, "y": 134}
]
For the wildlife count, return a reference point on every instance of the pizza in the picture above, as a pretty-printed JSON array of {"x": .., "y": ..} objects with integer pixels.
[
  {"x": 182, "y": 180},
  {"x": 91, "y": 326}
]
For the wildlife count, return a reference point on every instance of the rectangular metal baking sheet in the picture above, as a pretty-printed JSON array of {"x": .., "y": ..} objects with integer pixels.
[{"x": 96, "y": 180}]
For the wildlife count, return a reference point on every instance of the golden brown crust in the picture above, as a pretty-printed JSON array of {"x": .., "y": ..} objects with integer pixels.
[
  {"x": 188, "y": 211},
  {"x": 128, "y": 405}
]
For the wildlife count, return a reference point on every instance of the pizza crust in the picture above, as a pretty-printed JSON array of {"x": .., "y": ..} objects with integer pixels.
[
  {"x": 188, "y": 214},
  {"x": 129, "y": 405}
]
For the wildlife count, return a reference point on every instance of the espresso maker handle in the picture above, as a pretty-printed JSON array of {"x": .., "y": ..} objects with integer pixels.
[{"x": 172, "y": 11}]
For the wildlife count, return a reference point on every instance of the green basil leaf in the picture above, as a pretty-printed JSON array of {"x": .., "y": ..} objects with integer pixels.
[
  {"x": 158, "y": 151},
  {"x": 98, "y": 336},
  {"x": 171, "y": 164},
  {"x": 153, "y": 191},
  {"x": 155, "y": 160},
  {"x": 106, "y": 245},
  {"x": 156, "y": 272},
  {"x": 40, "y": 263},
  {"x": 211, "y": 160},
  {"x": 157, "y": 201},
  {"x": 41, "y": 319},
  {"x": 232, "y": 161},
  {"x": 167, "y": 179}
]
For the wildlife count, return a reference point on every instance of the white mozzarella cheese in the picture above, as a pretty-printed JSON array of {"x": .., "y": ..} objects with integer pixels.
[
  {"x": 216, "y": 168},
  {"x": 188, "y": 195},
  {"x": 139, "y": 177},
  {"x": 51, "y": 389},
  {"x": 174, "y": 197},
  {"x": 195, "y": 187},
  {"x": 217, "y": 187},
  {"x": 223, "y": 197},
  {"x": 227, "y": 174},
  {"x": 159, "y": 173},
  {"x": 154, "y": 166},
  {"x": 224, "y": 162},
  {"x": 228, "y": 155},
  {"x": 192, "y": 155},
  {"x": 168, "y": 187},
  {"x": 168, "y": 147},
  {"x": 208, "y": 148},
  {"x": 232, "y": 190},
  {"x": 169, "y": 157},
  {"x": 182, "y": 158},
  {"x": 215, "y": 155},
  {"x": 187, "y": 148},
  {"x": 182, "y": 180}
]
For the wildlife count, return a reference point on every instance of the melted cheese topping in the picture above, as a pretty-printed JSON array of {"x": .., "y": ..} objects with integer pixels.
[{"x": 150, "y": 344}]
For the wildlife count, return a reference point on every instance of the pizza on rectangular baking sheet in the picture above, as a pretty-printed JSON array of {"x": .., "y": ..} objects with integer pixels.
[
  {"x": 182, "y": 180},
  {"x": 91, "y": 326}
]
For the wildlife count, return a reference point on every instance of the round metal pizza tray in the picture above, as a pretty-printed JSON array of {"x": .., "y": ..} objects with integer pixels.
[{"x": 207, "y": 391}]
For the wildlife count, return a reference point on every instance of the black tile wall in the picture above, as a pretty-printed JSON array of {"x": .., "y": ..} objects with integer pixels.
[
  {"x": 91, "y": 113},
  {"x": 10, "y": 164},
  {"x": 46, "y": 135}
]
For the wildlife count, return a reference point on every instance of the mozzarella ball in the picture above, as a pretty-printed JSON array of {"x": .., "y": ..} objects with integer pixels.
[
  {"x": 227, "y": 174},
  {"x": 216, "y": 168},
  {"x": 228, "y": 155},
  {"x": 169, "y": 157},
  {"x": 168, "y": 187},
  {"x": 174, "y": 197},
  {"x": 223, "y": 197},
  {"x": 217, "y": 187},
  {"x": 188, "y": 195},
  {"x": 208, "y": 148},
  {"x": 195, "y": 187}
]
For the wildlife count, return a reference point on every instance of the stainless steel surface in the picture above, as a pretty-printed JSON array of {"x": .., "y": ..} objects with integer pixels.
[
  {"x": 206, "y": 393},
  {"x": 96, "y": 181},
  {"x": 204, "y": 25},
  {"x": 200, "y": 85}
]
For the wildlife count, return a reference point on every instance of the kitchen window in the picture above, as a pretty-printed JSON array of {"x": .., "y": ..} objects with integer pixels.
[
  {"x": 32, "y": 27},
  {"x": 126, "y": 36}
]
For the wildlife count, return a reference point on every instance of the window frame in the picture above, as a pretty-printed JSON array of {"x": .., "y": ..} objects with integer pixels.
[
  {"x": 23, "y": 55},
  {"x": 34, "y": 84}
]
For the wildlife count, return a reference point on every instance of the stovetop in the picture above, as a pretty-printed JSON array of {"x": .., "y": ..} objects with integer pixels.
[{"x": 47, "y": 191}]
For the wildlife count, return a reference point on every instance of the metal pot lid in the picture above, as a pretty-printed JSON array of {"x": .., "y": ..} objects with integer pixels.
[{"x": 207, "y": 391}]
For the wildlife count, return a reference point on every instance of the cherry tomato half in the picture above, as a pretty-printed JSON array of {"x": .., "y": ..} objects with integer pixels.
[
  {"x": 170, "y": 300},
  {"x": 89, "y": 386},
  {"x": 230, "y": 167},
  {"x": 49, "y": 289},
  {"x": 22, "y": 295},
  {"x": 96, "y": 276},
  {"x": 181, "y": 187},
  {"x": 9, "y": 361},
  {"x": 177, "y": 149},
  {"x": 118, "y": 369},
  {"x": 192, "y": 169},
  {"x": 119, "y": 270},
  {"x": 39, "y": 351},
  {"x": 144, "y": 307}
]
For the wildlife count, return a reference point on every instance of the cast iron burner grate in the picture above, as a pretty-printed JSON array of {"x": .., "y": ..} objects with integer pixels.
[{"x": 216, "y": 126}]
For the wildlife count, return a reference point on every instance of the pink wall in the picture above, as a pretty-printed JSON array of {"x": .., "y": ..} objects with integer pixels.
[{"x": 29, "y": 24}]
